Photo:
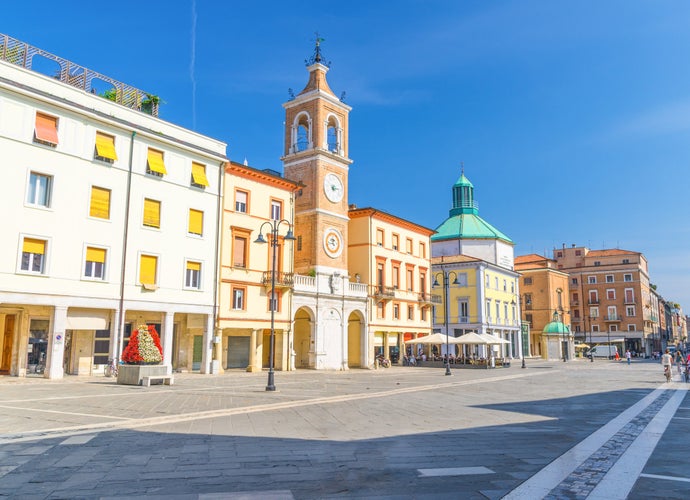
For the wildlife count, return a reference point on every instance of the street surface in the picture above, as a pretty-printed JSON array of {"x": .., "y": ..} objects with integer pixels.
[{"x": 601, "y": 430}]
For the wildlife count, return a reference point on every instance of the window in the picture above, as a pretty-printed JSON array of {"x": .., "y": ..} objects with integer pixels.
[
  {"x": 199, "y": 178},
  {"x": 380, "y": 313},
  {"x": 512, "y": 287},
  {"x": 423, "y": 314},
  {"x": 631, "y": 328},
  {"x": 505, "y": 310},
  {"x": 104, "y": 149},
  {"x": 592, "y": 280},
  {"x": 559, "y": 254},
  {"x": 578, "y": 252},
  {"x": 46, "y": 130},
  {"x": 613, "y": 328},
  {"x": 238, "y": 298},
  {"x": 40, "y": 187},
  {"x": 595, "y": 328},
  {"x": 498, "y": 309},
  {"x": 505, "y": 285},
  {"x": 33, "y": 255},
  {"x": 611, "y": 294},
  {"x": 396, "y": 277},
  {"x": 396, "y": 242},
  {"x": 422, "y": 282},
  {"x": 576, "y": 313},
  {"x": 594, "y": 312},
  {"x": 576, "y": 298},
  {"x": 99, "y": 206},
  {"x": 192, "y": 276},
  {"x": 410, "y": 312},
  {"x": 573, "y": 281},
  {"x": 597, "y": 263},
  {"x": 528, "y": 300},
  {"x": 612, "y": 313},
  {"x": 155, "y": 164},
  {"x": 593, "y": 297},
  {"x": 528, "y": 318},
  {"x": 94, "y": 267},
  {"x": 148, "y": 268},
  {"x": 410, "y": 278},
  {"x": 276, "y": 210},
  {"x": 196, "y": 222},
  {"x": 299, "y": 243},
  {"x": 396, "y": 311},
  {"x": 627, "y": 277},
  {"x": 629, "y": 296},
  {"x": 486, "y": 281},
  {"x": 241, "y": 198},
  {"x": 379, "y": 237},
  {"x": 609, "y": 278},
  {"x": 488, "y": 308},
  {"x": 239, "y": 251},
  {"x": 630, "y": 310},
  {"x": 409, "y": 246},
  {"x": 464, "y": 308},
  {"x": 152, "y": 213},
  {"x": 626, "y": 261},
  {"x": 422, "y": 250},
  {"x": 274, "y": 303}
]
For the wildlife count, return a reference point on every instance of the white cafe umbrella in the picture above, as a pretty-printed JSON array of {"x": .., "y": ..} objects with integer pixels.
[
  {"x": 472, "y": 338},
  {"x": 436, "y": 338},
  {"x": 493, "y": 339}
]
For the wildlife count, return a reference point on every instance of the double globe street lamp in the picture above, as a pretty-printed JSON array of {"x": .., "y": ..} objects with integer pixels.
[
  {"x": 446, "y": 284},
  {"x": 273, "y": 225}
]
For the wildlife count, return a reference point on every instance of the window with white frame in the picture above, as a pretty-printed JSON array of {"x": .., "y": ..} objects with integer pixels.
[
  {"x": 613, "y": 328},
  {"x": 241, "y": 200},
  {"x": 274, "y": 302},
  {"x": 630, "y": 310},
  {"x": 498, "y": 309},
  {"x": 33, "y": 255},
  {"x": 94, "y": 265},
  {"x": 594, "y": 312},
  {"x": 192, "y": 276},
  {"x": 609, "y": 278},
  {"x": 528, "y": 281},
  {"x": 410, "y": 312},
  {"x": 39, "y": 189},
  {"x": 396, "y": 311},
  {"x": 592, "y": 280},
  {"x": 612, "y": 313},
  {"x": 611, "y": 294},
  {"x": 505, "y": 285},
  {"x": 276, "y": 210},
  {"x": 464, "y": 308},
  {"x": 238, "y": 298},
  {"x": 632, "y": 328},
  {"x": 627, "y": 277},
  {"x": 629, "y": 296},
  {"x": 595, "y": 328}
]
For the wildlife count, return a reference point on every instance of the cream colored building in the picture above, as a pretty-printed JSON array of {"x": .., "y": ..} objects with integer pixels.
[
  {"x": 254, "y": 202},
  {"x": 110, "y": 221},
  {"x": 391, "y": 255}
]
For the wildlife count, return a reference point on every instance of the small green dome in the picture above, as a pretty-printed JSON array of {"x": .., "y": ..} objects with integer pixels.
[
  {"x": 556, "y": 327},
  {"x": 463, "y": 181}
]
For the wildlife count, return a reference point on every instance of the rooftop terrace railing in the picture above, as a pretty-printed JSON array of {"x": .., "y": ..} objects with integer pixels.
[{"x": 22, "y": 54}]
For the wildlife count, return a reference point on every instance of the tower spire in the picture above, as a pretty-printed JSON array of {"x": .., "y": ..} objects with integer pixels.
[{"x": 317, "y": 57}]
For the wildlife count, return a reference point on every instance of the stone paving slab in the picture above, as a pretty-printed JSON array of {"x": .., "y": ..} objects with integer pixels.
[{"x": 358, "y": 434}]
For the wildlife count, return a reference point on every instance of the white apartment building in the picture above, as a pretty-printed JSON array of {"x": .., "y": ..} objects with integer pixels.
[{"x": 110, "y": 221}]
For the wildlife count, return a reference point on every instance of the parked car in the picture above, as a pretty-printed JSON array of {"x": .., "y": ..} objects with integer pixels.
[{"x": 603, "y": 351}]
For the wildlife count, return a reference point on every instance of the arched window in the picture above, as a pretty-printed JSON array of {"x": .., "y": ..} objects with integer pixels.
[
  {"x": 301, "y": 133},
  {"x": 333, "y": 135}
]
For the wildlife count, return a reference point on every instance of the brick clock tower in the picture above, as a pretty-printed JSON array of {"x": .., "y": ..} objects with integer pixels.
[
  {"x": 329, "y": 322},
  {"x": 316, "y": 154}
]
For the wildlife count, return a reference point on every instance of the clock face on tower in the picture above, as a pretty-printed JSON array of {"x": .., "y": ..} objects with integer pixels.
[
  {"x": 333, "y": 187},
  {"x": 333, "y": 242}
]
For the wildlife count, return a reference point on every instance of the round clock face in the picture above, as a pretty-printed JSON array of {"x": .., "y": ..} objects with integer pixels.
[
  {"x": 333, "y": 187},
  {"x": 333, "y": 242}
]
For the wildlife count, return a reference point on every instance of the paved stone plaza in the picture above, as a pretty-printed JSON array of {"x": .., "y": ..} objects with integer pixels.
[{"x": 553, "y": 430}]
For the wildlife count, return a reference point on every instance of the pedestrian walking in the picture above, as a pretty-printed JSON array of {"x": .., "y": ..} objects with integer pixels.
[
  {"x": 679, "y": 364},
  {"x": 666, "y": 363},
  {"x": 628, "y": 355}
]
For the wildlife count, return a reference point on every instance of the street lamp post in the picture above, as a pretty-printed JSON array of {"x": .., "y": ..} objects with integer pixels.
[
  {"x": 273, "y": 225},
  {"x": 446, "y": 285},
  {"x": 591, "y": 355}
]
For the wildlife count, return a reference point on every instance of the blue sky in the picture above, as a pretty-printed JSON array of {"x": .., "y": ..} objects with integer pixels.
[{"x": 572, "y": 117}]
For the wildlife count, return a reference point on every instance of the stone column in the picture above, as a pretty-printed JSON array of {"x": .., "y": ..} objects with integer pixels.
[
  {"x": 207, "y": 346},
  {"x": 254, "y": 352},
  {"x": 56, "y": 344},
  {"x": 167, "y": 340}
]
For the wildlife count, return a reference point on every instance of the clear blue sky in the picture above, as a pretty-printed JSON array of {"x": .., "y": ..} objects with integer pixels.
[{"x": 572, "y": 118}]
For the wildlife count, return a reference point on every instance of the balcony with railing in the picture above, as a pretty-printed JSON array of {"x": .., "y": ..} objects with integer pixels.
[
  {"x": 22, "y": 54},
  {"x": 427, "y": 299},
  {"x": 282, "y": 280},
  {"x": 381, "y": 292},
  {"x": 592, "y": 301},
  {"x": 613, "y": 318}
]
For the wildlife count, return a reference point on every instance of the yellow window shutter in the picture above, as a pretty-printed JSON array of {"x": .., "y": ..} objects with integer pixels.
[
  {"x": 199, "y": 174},
  {"x": 155, "y": 160},
  {"x": 32, "y": 245},
  {"x": 196, "y": 221},
  {"x": 147, "y": 269},
  {"x": 95, "y": 255},
  {"x": 100, "y": 203},
  {"x": 46, "y": 129},
  {"x": 152, "y": 213},
  {"x": 193, "y": 266},
  {"x": 105, "y": 146}
]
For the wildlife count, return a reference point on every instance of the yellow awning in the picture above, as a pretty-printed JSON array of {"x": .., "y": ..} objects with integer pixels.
[
  {"x": 95, "y": 255},
  {"x": 156, "y": 164},
  {"x": 46, "y": 128},
  {"x": 105, "y": 146},
  {"x": 194, "y": 266},
  {"x": 32, "y": 245},
  {"x": 196, "y": 222},
  {"x": 199, "y": 174}
]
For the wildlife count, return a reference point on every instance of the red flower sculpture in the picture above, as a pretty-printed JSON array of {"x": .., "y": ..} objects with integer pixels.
[{"x": 144, "y": 347}]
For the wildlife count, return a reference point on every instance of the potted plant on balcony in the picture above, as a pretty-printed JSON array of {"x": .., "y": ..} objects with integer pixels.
[{"x": 142, "y": 357}]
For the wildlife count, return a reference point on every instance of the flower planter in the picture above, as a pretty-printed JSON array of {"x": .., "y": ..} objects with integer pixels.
[{"x": 133, "y": 374}]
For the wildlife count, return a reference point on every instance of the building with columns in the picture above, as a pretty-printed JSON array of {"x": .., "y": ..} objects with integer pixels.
[
  {"x": 113, "y": 221},
  {"x": 329, "y": 308},
  {"x": 477, "y": 259}
]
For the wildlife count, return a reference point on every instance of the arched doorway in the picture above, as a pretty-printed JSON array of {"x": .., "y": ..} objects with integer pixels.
[
  {"x": 355, "y": 340},
  {"x": 303, "y": 339}
]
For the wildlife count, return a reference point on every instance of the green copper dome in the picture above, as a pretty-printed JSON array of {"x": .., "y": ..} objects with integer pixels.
[
  {"x": 556, "y": 327},
  {"x": 464, "y": 221}
]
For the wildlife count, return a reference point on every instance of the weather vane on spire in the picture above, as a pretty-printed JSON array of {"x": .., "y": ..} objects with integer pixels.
[{"x": 317, "y": 58}]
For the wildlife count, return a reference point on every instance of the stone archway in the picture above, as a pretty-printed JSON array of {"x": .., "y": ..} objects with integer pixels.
[
  {"x": 356, "y": 341},
  {"x": 303, "y": 343}
]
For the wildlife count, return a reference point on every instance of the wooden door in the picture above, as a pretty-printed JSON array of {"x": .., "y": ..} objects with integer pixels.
[{"x": 8, "y": 337}]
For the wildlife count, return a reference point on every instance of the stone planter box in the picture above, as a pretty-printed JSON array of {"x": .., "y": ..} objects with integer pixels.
[{"x": 133, "y": 374}]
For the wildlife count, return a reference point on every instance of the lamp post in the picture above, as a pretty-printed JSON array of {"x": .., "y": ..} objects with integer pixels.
[
  {"x": 446, "y": 285},
  {"x": 591, "y": 355},
  {"x": 608, "y": 340},
  {"x": 273, "y": 225}
]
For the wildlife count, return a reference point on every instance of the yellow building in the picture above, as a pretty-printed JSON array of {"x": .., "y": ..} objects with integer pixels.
[
  {"x": 254, "y": 202},
  {"x": 391, "y": 255}
]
